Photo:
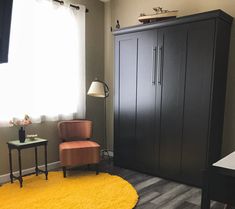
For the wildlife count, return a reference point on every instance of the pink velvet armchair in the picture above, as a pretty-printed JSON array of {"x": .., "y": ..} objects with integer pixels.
[{"x": 76, "y": 147}]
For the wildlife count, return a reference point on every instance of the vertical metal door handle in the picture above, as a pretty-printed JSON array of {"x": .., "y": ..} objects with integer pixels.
[
  {"x": 154, "y": 66},
  {"x": 159, "y": 70}
]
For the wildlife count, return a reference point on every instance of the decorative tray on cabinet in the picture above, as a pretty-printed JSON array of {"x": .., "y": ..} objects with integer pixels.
[{"x": 161, "y": 14}]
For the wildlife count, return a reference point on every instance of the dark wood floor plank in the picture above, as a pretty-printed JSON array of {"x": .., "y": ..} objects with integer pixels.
[
  {"x": 136, "y": 178},
  {"x": 180, "y": 199},
  {"x": 188, "y": 205},
  {"x": 147, "y": 183},
  {"x": 216, "y": 205},
  {"x": 170, "y": 195},
  {"x": 196, "y": 198},
  {"x": 148, "y": 197},
  {"x": 157, "y": 193},
  {"x": 146, "y": 206}
]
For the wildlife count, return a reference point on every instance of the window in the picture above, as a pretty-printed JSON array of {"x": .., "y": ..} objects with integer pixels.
[{"x": 45, "y": 75}]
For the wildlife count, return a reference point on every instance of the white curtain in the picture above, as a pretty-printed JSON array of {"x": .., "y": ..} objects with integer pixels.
[{"x": 45, "y": 76}]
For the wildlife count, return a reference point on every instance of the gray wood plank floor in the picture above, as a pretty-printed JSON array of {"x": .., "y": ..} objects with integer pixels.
[{"x": 157, "y": 193}]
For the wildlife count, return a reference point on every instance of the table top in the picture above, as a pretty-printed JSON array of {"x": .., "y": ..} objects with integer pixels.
[
  {"x": 27, "y": 142},
  {"x": 227, "y": 162}
]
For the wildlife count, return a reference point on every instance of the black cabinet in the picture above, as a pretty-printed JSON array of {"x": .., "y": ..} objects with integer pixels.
[
  {"x": 198, "y": 83},
  {"x": 172, "y": 41},
  {"x": 5, "y": 23},
  {"x": 170, "y": 83},
  {"x": 126, "y": 89},
  {"x": 145, "y": 100}
]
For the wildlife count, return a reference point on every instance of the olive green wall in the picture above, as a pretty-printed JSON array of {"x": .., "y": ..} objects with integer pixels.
[
  {"x": 127, "y": 12},
  {"x": 94, "y": 68}
]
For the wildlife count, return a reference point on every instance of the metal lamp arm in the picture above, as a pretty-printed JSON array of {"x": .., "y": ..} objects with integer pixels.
[{"x": 106, "y": 88}]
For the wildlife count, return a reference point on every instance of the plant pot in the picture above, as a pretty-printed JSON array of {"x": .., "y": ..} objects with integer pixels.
[{"x": 21, "y": 135}]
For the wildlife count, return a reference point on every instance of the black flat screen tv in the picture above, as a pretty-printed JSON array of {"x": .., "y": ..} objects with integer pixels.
[{"x": 5, "y": 26}]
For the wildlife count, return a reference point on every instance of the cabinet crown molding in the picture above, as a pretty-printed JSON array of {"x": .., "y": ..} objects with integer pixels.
[{"x": 180, "y": 20}]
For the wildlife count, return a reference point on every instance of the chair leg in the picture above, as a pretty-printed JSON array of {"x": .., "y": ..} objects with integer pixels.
[
  {"x": 64, "y": 171},
  {"x": 97, "y": 168}
]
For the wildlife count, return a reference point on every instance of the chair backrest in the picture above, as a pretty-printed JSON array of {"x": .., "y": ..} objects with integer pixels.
[{"x": 75, "y": 130}]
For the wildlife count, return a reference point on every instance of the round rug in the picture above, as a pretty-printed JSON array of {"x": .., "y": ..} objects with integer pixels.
[{"x": 84, "y": 191}]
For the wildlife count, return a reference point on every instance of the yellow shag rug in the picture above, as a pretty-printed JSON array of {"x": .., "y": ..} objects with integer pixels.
[{"x": 84, "y": 191}]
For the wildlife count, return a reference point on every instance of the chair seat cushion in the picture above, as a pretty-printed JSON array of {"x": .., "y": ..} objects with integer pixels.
[
  {"x": 79, "y": 153},
  {"x": 78, "y": 145}
]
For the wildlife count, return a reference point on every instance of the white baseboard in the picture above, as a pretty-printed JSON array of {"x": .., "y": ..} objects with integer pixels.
[{"x": 6, "y": 177}]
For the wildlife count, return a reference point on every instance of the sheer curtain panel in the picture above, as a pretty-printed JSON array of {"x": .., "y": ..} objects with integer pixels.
[{"x": 45, "y": 76}]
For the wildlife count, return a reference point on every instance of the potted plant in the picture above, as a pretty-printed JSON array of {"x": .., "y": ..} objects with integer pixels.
[{"x": 21, "y": 124}]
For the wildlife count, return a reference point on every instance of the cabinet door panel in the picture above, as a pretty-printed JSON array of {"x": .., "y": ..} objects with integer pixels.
[
  {"x": 197, "y": 99},
  {"x": 125, "y": 108},
  {"x": 172, "y": 77},
  {"x": 147, "y": 143}
]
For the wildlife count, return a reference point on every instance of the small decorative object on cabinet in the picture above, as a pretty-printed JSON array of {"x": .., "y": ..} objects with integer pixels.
[
  {"x": 21, "y": 124},
  {"x": 170, "y": 85},
  {"x": 118, "y": 25},
  {"x": 161, "y": 14}
]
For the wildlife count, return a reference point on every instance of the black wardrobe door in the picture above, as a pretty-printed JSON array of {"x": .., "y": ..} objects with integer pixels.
[
  {"x": 147, "y": 144},
  {"x": 172, "y": 78},
  {"x": 125, "y": 101},
  {"x": 197, "y": 99}
]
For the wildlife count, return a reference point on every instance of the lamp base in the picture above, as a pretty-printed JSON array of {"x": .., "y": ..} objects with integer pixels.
[{"x": 103, "y": 151}]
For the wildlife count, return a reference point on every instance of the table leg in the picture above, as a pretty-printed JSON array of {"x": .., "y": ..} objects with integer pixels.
[
  {"x": 97, "y": 168},
  {"x": 205, "y": 201},
  {"x": 64, "y": 171},
  {"x": 20, "y": 168},
  {"x": 46, "y": 171},
  {"x": 36, "y": 161},
  {"x": 10, "y": 163}
]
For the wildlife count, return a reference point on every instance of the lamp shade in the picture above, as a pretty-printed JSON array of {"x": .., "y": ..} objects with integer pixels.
[{"x": 97, "y": 89}]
